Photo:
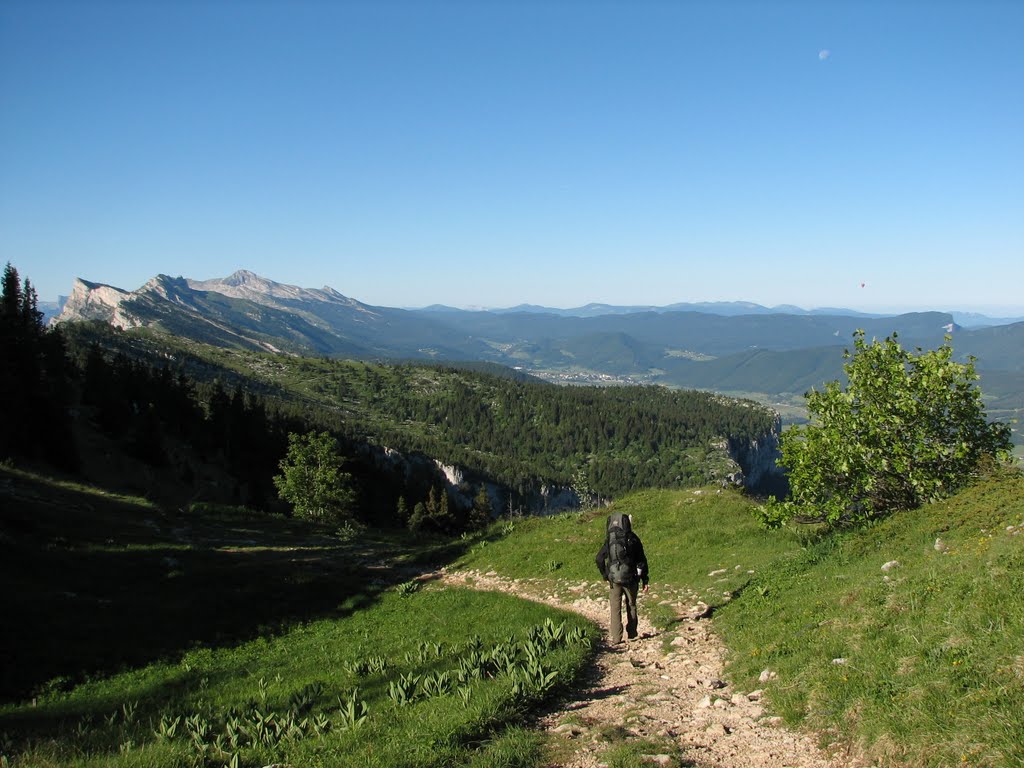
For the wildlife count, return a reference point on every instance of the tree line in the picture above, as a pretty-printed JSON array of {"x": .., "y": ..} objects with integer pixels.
[
  {"x": 177, "y": 405},
  {"x": 623, "y": 438},
  {"x": 34, "y": 380},
  {"x": 515, "y": 432}
]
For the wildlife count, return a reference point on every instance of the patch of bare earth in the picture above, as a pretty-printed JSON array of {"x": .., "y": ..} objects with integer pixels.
[{"x": 661, "y": 688}]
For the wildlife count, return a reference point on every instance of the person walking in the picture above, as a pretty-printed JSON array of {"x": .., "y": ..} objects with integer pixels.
[{"x": 623, "y": 565}]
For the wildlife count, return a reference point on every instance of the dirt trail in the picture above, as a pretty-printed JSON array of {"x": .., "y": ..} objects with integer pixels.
[{"x": 643, "y": 691}]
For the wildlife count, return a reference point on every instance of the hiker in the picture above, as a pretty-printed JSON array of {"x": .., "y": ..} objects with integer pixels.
[{"x": 624, "y": 566}]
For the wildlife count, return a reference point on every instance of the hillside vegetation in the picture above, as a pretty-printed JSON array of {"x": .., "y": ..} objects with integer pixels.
[
  {"x": 164, "y": 624},
  {"x": 506, "y": 428},
  {"x": 867, "y": 636},
  {"x": 740, "y": 348},
  {"x": 225, "y": 637},
  {"x": 901, "y": 642},
  {"x": 904, "y": 639}
]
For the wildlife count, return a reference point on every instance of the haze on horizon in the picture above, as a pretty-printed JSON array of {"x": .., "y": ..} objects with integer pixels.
[{"x": 865, "y": 156}]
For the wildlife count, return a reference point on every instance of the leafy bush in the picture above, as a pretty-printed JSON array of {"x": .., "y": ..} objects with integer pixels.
[
  {"x": 908, "y": 428},
  {"x": 311, "y": 478}
]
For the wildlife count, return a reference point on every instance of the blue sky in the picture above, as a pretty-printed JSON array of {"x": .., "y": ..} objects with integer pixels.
[{"x": 489, "y": 154}]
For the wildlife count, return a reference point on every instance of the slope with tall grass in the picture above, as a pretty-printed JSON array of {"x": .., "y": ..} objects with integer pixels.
[
  {"x": 231, "y": 638},
  {"x": 904, "y": 639},
  {"x": 901, "y": 641}
]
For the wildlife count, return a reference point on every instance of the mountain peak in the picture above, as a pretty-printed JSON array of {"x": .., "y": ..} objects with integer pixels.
[
  {"x": 95, "y": 301},
  {"x": 244, "y": 277}
]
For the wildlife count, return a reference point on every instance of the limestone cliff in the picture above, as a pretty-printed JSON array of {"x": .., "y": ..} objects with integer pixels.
[
  {"x": 757, "y": 459},
  {"x": 95, "y": 301}
]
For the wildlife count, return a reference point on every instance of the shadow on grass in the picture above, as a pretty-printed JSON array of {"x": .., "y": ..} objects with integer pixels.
[{"x": 94, "y": 584}]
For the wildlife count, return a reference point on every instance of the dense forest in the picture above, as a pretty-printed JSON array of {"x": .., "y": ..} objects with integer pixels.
[
  {"x": 35, "y": 380},
  {"x": 184, "y": 407},
  {"x": 505, "y": 427}
]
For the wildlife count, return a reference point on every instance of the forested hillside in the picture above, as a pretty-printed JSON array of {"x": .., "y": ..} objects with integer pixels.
[
  {"x": 188, "y": 422},
  {"x": 773, "y": 356},
  {"x": 504, "y": 429}
]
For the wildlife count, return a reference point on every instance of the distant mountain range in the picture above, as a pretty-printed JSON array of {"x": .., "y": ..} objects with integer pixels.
[
  {"x": 726, "y": 308},
  {"x": 722, "y": 346}
]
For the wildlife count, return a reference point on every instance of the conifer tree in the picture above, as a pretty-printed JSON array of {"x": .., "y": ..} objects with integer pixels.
[
  {"x": 401, "y": 510},
  {"x": 10, "y": 300},
  {"x": 481, "y": 512},
  {"x": 33, "y": 380},
  {"x": 418, "y": 517}
]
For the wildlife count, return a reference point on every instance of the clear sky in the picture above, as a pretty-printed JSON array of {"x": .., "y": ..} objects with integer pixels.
[{"x": 859, "y": 154}]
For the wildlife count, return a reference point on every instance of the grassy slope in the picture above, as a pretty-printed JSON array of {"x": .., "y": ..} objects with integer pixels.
[
  {"x": 94, "y": 580},
  {"x": 933, "y": 672},
  {"x": 266, "y": 673},
  {"x": 134, "y": 614},
  {"x": 686, "y": 534}
]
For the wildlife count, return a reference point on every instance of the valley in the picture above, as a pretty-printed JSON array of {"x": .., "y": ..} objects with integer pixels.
[
  {"x": 173, "y": 609},
  {"x": 775, "y": 353}
]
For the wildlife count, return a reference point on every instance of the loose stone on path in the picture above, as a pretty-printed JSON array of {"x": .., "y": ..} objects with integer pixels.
[{"x": 678, "y": 698}]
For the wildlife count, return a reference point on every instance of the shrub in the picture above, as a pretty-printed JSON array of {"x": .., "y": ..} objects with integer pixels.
[
  {"x": 908, "y": 428},
  {"x": 311, "y": 478}
]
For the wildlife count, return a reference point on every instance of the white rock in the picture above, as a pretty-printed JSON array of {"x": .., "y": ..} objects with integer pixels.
[
  {"x": 767, "y": 675},
  {"x": 656, "y": 759},
  {"x": 755, "y": 695},
  {"x": 568, "y": 729},
  {"x": 940, "y": 545},
  {"x": 719, "y": 572},
  {"x": 704, "y": 703},
  {"x": 890, "y": 565}
]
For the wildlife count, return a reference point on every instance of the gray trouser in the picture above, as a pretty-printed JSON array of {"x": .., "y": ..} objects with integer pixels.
[{"x": 618, "y": 592}]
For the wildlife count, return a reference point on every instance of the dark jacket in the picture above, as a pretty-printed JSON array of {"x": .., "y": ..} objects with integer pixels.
[{"x": 634, "y": 548}]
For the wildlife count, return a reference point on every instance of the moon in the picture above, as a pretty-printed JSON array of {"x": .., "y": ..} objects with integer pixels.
[{"x": 823, "y": 54}]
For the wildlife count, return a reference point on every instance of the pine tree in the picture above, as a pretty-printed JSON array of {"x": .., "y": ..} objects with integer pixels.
[
  {"x": 31, "y": 317},
  {"x": 10, "y": 302},
  {"x": 418, "y": 517},
  {"x": 33, "y": 380},
  {"x": 481, "y": 512}
]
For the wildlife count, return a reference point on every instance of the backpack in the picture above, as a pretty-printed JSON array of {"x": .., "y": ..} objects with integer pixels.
[{"x": 621, "y": 568}]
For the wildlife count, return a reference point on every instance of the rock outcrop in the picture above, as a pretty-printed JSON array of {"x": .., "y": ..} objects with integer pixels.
[
  {"x": 757, "y": 458},
  {"x": 416, "y": 471},
  {"x": 95, "y": 301}
]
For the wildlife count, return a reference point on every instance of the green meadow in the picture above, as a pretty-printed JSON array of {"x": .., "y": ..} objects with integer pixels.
[
  {"x": 918, "y": 664},
  {"x": 224, "y": 637}
]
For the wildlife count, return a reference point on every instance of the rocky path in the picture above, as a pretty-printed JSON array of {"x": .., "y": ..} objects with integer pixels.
[{"x": 662, "y": 688}]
